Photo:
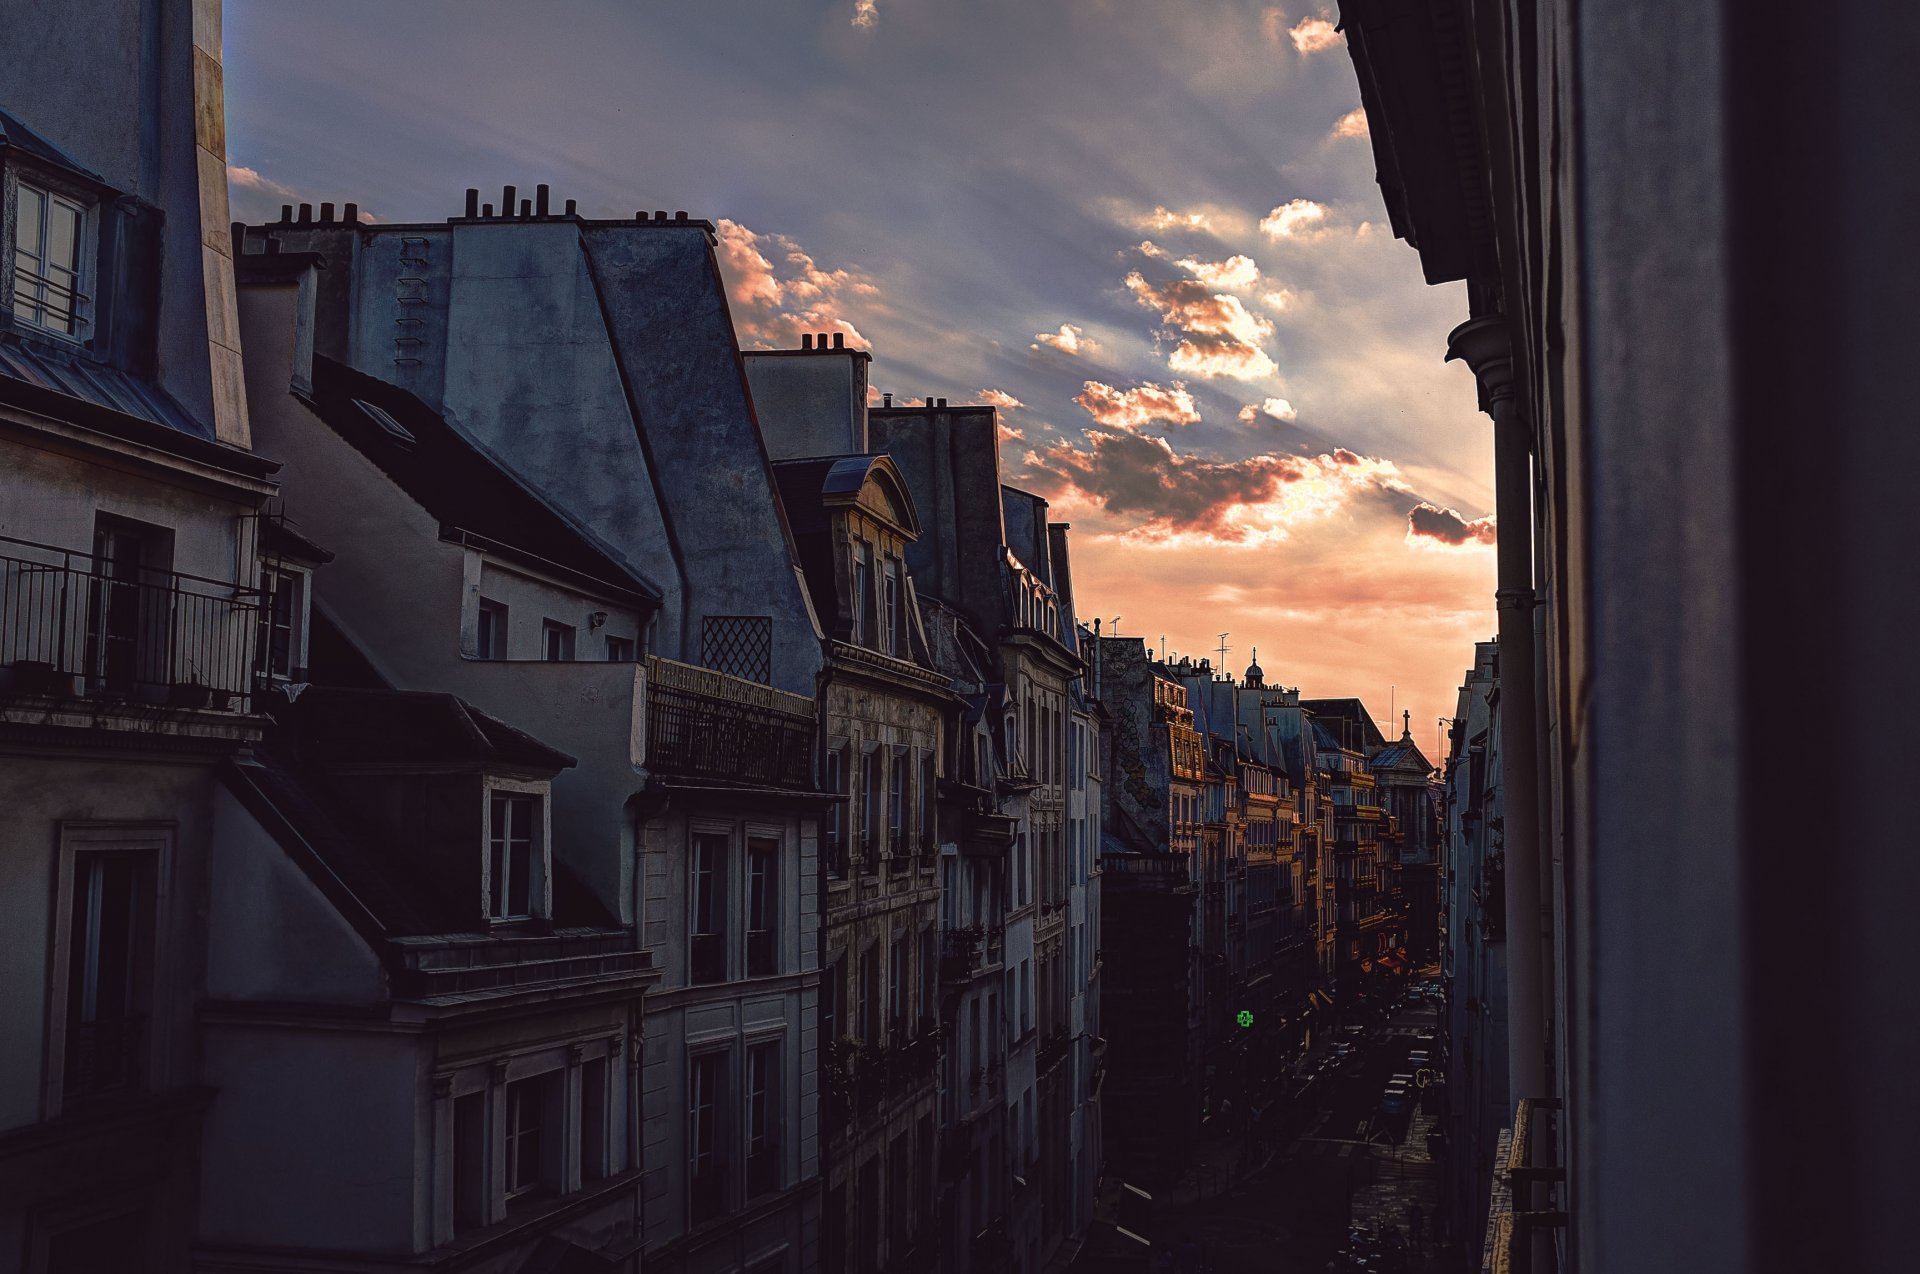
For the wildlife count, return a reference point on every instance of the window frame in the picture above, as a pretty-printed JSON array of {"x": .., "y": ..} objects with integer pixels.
[
  {"x": 627, "y": 651},
  {"x": 767, "y": 1161},
  {"x": 491, "y": 629},
  {"x": 297, "y": 623},
  {"x": 48, "y": 182},
  {"x": 539, "y": 856},
  {"x": 86, "y": 836},
  {"x": 722, "y": 1166},
  {"x": 761, "y": 850},
  {"x": 699, "y": 966},
  {"x": 566, "y": 633}
]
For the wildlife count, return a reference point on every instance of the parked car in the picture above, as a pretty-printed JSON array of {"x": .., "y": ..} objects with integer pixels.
[
  {"x": 1417, "y": 1059},
  {"x": 1397, "y": 1098}
]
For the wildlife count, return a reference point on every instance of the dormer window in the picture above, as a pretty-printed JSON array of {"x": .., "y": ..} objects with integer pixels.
[
  {"x": 890, "y": 610},
  {"x": 50, "y": 260},
  {"x": 516, "y": 855}
]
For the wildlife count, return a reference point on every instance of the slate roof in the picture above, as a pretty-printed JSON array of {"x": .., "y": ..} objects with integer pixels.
[
  {"x": 1397, "y": 755},
  {"x": 16, "y": 135},
  {"x": 1353, "y": 711},
  {"x": 57, "y": 383},
  {"x": 458, "y": 481},
  {"x": 337, "y": 723}
]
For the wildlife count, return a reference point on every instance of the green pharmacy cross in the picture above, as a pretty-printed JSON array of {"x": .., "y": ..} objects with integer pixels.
[{"x": 1245, "y": 1017}]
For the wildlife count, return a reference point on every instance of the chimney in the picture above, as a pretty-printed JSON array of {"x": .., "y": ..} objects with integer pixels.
[
  {"x": 886, "y": 400},
  {"x": 571, "y": 208},
  {"x": 941, "y": 403},
  {"x": 540, "y": 200},
  {"x": 679, "y": 216},
  {"x": 486, "y": 210},
  {"x": 839, "y": 340},
  {"x": 473, "y": 203},
  {"x": 659, "y": 214},
  {"x": 306, "y": 212},
  {"x": 806, "y": 340},
  {"x": 286, "y": 213},
  {"x": 351, "y": 214},
  {"x": 526, "y": 208},
  {"x": 326, "y": 214},
  {"x": 506, "y": 201}
]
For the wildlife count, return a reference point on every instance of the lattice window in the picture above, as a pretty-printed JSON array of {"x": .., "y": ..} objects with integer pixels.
[{"x": 739, "y": 645}]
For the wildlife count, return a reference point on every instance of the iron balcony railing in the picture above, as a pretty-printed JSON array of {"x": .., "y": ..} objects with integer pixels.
[
  {"x": 709, "y": 725},
  {"x": 72, "y": 624}
]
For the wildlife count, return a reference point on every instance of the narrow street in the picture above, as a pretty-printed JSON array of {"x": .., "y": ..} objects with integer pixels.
[{"x": 1350, "y": 1164}]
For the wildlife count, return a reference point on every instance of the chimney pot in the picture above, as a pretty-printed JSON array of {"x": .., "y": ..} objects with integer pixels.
[
  {"x": 679, "y": 216},
  {"x": 506, "y": 200},
  {"x": 286, "y": 213},
  {"x": 839, "y": 340},
  {"x": 526, "y": 207},
  {"x": 572, "y": 208},
  {"x": 540, "y": 199},
  {"x": 351, "y": 214},
  {"x": 806, "y": 340},
  {"x": 486, "y": 210},
  {"x": 659, "y": 215},
  {"x": 326, "y": 214},
  {"x": 306, "y": 212},
  {"x": 942, "y": 403},
  {"x": 473, "y": 202},
  {"x": 886, "y": 400}
]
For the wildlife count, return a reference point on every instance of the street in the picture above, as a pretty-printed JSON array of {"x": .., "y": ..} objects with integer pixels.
[{"x": 1350, "y": 1164}]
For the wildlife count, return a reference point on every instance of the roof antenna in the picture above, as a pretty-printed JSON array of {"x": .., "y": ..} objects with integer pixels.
[{"x": 1224, "y": 648}]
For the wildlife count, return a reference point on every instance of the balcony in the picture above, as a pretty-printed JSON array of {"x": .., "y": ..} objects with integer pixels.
[
  {"x": 84, "y": 633},
  {"x": 964, "y": 956},
  {"x": 703, "y": 724},
  {"x": 459, "y": 970},
  {"x": 1511, "y": 1218}
]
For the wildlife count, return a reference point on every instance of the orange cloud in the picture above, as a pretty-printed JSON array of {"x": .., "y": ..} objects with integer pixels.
[
  {"x": 1136, "y": 408},
  {"x": 1278, "y": 408},
  {"x": 865, "y": 14},
  {"x": 1294, "y": 219},
  {"x": 1219, "y": 337},
  {"x": 1068, "y": 340},
  {"x": 1156, "y": 496},
  {"x": 1352, "y": 124},
  {"x": 1165, "y": 219},
  {"x": 1436, "y": 525},
  {"x": 1313, "y": 35},
  {"x": 1000, "y": 398},
  {"x": 250, "y": 179},
  {"x": 1233, "y": 273},
  {"x": 776, "y": 298}
]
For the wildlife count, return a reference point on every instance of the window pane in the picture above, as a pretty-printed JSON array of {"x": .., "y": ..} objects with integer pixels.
[
  {"x": 63, "y": 235},
  {"x": 28, "y": 221}
]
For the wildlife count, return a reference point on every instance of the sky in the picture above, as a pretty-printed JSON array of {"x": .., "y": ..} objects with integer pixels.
[{"x": 1147, "y": 230}]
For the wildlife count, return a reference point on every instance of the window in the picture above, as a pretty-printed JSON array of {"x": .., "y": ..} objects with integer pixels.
[
  {"x": 862, "y": 596},
  {"x": 833, "y": 996},
  {"x": 49, "y": 230},
  {"x": 867, "y": 996},
  {"x": 763, "y": 1118},
  {"x": 893, "y": 635},
  {"x": 129, "y": 607},
  {"x": 490, "y": 640},
  {"x": 708, "y": 892},
  {"x": 897, "y": 990},
  {"x": 1021, "y": 885},
  {"x": 531, "y": 1127},
  {"x": 763, "y": 903},
  {"x": 897, "y": 803},
  {"x": 837, "y": 811},
  {"x": 276, "y": 639},
  {"x": 929, "y": 966},
  {"x": 869, "y": 809},
  {"x": 706, "y": 1146},
  {"x": 929, "y": 833},
  {"x": 511, "y": 845},
  {"x": 110, "y": 955},
  {"x": 619, "y": 650},
  {"x": 593, "y": 1120},
  {"x": 556, "y": 641}
]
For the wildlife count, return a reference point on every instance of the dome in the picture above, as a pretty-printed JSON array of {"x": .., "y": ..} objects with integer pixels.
[{"x": 1255, "y": 676}]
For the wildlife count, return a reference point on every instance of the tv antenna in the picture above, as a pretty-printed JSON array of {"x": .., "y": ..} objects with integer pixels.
[{"x": 1224, "y": 648}]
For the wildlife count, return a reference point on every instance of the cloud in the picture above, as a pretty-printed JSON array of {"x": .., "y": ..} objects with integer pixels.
[
  {"x": 1278, "y": 408},
  {"x": 1136, "y": 408},
  {"x": 778, "y": 292},
  {"x": 1293, "y": 219},
  {"x": 250, "y": 179},
  {"x": 1069, "y": 340},
  {"x": 1219, "y": 337},
  {"x": 1162, "y": 218},
  {"x": 1000, "y": 398},
  {"x": 1234, "y": 272},
  {"x": 1445, "y": 526},
  {"x": 1148, "y": 248},
  {"x": 1280, "y": 300},
  {"x": 1009, "y": 434},
  {"x": 1157, "y": 496},
  {"x": 865, "y": 14},
  {"x": 1352, "y": 124},
  {"x": 1313, "y": 35}
]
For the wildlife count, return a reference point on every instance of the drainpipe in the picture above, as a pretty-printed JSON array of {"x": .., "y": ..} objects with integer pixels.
[{"x": 1484, "y": 345}]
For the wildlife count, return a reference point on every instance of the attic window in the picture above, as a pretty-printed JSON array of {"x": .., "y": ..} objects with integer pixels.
[
  {"x": 51, "y": 260},
  {"x": 386, "y": 422}
]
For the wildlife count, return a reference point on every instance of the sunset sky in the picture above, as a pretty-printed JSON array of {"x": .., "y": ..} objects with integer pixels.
[{"x": 1147, "y": 229}]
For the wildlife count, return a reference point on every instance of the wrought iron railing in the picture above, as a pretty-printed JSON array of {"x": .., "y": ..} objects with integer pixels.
[
  {"x": 706, "y": 724},
  {"x": 73, "y": 625},
  {"x": 960, "y": 953}
]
